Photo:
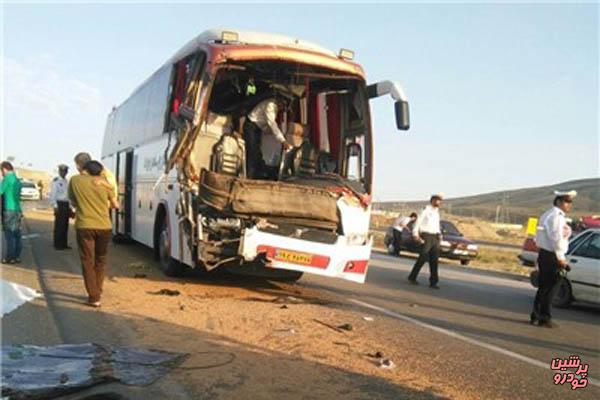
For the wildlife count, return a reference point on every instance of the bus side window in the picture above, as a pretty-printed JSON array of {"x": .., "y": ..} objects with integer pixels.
[{"x": 187, "y": 74}]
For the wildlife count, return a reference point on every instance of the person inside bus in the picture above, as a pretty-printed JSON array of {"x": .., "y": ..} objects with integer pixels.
[{"x": 264, "y": 139}]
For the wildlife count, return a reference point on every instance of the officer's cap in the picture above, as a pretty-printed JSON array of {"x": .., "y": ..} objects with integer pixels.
[{"x": 564, "y": 193}]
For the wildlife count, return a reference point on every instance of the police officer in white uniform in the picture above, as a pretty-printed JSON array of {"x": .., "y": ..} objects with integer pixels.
[
  {"x": 552, "y": 239},
  {"x": 427, "y": 231},
  {"x": 59, "y": 198}
]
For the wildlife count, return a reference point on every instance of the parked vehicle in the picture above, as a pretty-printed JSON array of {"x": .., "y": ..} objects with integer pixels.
[
  {"x": 29, "y": 191},
  {"x": 582, "y": 282},
  {"x": 453, "y": 245},
  {"x": 529, "y": 252},
  {"x": 179, "y": 158}
]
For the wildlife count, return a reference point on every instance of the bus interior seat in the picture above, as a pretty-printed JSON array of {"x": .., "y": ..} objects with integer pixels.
[
  {"x": 326, "y": 163},
  {"x": 211, "y": 132},
  {"x": 302, "y": 162},
  {"x": 229, "y": 156}
]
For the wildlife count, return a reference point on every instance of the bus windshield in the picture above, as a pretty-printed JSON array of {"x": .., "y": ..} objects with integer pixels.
[{"x": 323, "y": 116}]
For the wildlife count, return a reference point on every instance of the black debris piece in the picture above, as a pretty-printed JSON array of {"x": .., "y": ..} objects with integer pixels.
[
  {"x": 166, "y": 292},
  {"x": 345, "y": 327}
]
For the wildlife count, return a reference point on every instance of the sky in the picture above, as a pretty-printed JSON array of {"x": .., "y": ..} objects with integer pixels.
[{"x": 502, "y": 96}]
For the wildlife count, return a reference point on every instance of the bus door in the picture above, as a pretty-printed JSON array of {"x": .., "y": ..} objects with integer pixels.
[{"x": 125, "y": 192}]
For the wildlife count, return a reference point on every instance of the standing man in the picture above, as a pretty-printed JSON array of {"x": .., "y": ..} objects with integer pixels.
[
  {"x": 264, "y": 140},
  {"x": 92, "y": 222},
  {"x": 10, "y": 189},
  {"x": 109, "y": 178},
  {"x": 59, "y": 198},
  {"x": 427, "y": 231},
  {"x": 40, "y": 186},
  {"x": 552, "y": 239}
]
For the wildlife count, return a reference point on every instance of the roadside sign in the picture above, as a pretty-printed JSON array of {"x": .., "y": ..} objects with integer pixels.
[{"x": 532, "y": 226}]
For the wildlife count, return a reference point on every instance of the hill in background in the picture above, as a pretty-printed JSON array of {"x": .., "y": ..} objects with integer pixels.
[{"x": 512, "y": 206}]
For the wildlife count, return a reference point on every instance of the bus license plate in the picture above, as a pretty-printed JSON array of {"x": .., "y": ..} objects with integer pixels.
[{"x": 293, "y": 257}]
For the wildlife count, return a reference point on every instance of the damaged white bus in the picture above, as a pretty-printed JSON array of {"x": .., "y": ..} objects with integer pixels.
[{"x": 178, "y": 149}]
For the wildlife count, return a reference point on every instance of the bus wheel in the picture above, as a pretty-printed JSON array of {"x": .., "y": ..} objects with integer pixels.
[{"x": 168, "y": 264}]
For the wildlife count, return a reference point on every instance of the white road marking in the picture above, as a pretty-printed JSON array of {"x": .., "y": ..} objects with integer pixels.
[{"x": 466, "y": 339}]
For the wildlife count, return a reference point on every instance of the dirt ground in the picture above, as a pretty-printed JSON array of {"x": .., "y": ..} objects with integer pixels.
[{"x": 297, "y": 324}]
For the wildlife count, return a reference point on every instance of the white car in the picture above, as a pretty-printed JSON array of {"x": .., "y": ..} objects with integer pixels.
[
  {"x": 582, "y": 282},
  {"x": 29, "y": 191}
]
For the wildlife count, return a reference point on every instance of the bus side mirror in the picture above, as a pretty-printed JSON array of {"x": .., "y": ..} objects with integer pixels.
[
  {"x": 402, "y": 115},
  {"x": 397, "y": 93}
]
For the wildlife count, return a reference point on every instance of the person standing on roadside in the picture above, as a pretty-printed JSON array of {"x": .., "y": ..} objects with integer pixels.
[
  {"x": 40, "y": 186},
  {"x": 109, "y": 178},
  {"x": 92, "y": 222},
  {"x": 10, "y": 189},
  {"x": 552, "y": 239},
  {"x": 427, "y": 231},
  {"x": 59, "y": 199}
]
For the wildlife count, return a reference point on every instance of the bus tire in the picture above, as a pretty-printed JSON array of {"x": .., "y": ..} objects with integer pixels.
[{"x": 168, "y": 264}]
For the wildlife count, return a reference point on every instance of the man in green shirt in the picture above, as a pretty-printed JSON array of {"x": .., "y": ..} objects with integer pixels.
[{"x": 10, "y": 189}]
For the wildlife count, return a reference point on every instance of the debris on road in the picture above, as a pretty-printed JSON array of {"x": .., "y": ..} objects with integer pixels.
[
  {"x": 342, "y": 344},
  {"x": 15, "y": 295},
  {"x": 380, "y": 361},
  {"x": 284, "y": 307},
  {"x": 166, "y": 292},
  {"x": 335, "y": 328},
  {"x": 368, "y": 319},
  {"x": 375, "y": 355},
  {"x": 286, "y": 330},
  {"x": 48, "y": 372},
  {"x": 287, "y": 300},
  {"x": 386, "y": 363},
  {"x": 345, "y": 327}
]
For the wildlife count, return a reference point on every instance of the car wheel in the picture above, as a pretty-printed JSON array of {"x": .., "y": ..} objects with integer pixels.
[
  {"x": 168, "y": 264},
  {"x": 465, "y": 262},
  {"x": 564, "y": 295}
]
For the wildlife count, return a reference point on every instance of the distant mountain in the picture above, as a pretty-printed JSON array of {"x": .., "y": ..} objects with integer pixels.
[{"x": 513, "y": 206}]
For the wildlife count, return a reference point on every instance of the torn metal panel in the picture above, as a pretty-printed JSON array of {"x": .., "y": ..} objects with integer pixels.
[{"x": 267, "y": 198}]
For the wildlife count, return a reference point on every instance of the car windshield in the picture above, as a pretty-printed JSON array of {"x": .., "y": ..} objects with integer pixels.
[
  {"x": 28, "y": 185},
  {"x": 448, "y": 228}
]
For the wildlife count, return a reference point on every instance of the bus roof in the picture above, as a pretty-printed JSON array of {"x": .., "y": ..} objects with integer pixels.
[
  {"x": 212, "y": 36},
  {"x": 247, "y": 39}
]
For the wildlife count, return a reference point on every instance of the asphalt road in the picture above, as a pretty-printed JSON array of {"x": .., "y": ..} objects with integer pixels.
[{"x": 473, "y": 333}]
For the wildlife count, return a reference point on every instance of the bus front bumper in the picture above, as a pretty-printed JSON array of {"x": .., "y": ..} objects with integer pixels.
[{"x": 338, "y": 260}]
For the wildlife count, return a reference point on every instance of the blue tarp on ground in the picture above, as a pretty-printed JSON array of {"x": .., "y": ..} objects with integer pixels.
[{"x": 34, "y": 372}]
